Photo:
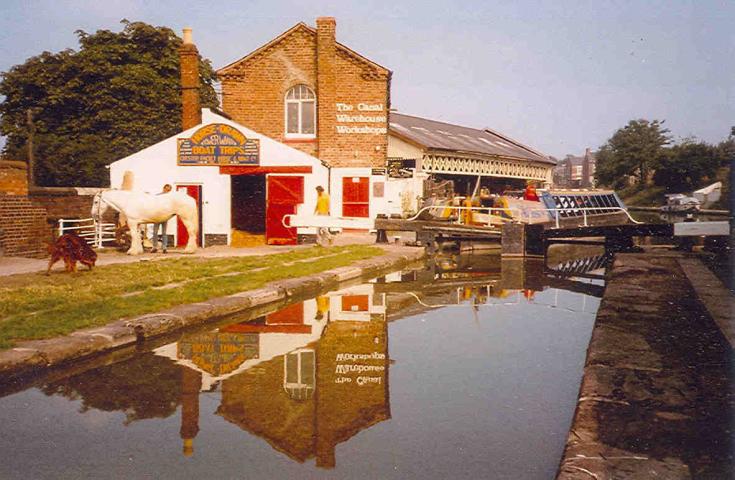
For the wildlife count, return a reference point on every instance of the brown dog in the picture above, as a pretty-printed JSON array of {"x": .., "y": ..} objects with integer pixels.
[{"x": 72, "y": 249}]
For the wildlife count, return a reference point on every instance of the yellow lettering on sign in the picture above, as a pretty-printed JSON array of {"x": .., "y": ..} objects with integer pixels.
[
  {"x": 230, "y": 150},
  {"x": 232, "y": 132},
  {"x": 199, "y": 150},
  {"x": 203, "y": 133}
]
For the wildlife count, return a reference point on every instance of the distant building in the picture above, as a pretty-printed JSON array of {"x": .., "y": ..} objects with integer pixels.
[{"x": 576, "y": 172}]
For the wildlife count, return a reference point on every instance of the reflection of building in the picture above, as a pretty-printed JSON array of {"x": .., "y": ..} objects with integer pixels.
[
  {"x": 235, "y": 348},
  {"x": 305, "y": 378},
  {"x": 310, "y": 399}
]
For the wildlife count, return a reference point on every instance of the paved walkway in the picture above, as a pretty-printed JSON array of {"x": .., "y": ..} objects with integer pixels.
[{"x": 14, "y": 265}]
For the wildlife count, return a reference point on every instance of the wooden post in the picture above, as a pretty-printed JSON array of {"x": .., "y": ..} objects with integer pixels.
[
  {"x": 381, "y": 236},
  {"x": 31, "y": 156}
]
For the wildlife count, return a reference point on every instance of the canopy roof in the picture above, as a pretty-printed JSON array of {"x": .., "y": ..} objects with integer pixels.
[{"x": 434, "y": 135}]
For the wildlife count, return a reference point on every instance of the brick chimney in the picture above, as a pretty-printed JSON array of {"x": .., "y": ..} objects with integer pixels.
[
  {"x": 191, "y": 112},
  {"x": 586, "y": 177},
  {"x": 326, "y": 54}
]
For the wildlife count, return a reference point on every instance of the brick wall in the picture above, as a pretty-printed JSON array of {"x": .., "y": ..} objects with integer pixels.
[
  {"x": 254, "y": 90},
  {"x": 13, "y": 178},
  {"x": 63, "y": 202},
  {"x": 24, "y": 230}
]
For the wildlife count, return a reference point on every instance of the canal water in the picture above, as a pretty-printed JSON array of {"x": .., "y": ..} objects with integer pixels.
[{"x": 467, "y": 368}]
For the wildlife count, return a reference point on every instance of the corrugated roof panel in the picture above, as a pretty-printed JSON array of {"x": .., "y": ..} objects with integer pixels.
[{"x": 445, "y": 136}]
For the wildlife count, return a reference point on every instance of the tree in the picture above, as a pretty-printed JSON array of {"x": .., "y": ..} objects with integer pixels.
[
  {"x": 684, "y": 167},
  {"x": 726, "y": 150},
  {"x": 145, "y": 386},
  {"x": 632, "y": 151},
  {"x": 118, "y": 94}
]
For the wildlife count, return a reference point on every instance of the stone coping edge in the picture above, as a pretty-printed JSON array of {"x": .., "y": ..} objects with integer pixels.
[
  {"x": 32, "y": 356},
  {"x": 713, "y": 295}
]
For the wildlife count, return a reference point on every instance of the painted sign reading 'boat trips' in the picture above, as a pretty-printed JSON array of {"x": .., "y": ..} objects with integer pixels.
[
  {"x": 218, "y": 144},
  {"x": 219, "y": 353}
]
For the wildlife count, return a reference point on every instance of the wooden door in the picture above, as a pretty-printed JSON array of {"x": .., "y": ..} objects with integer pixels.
[
  {"x": 356, "y": 197},
  {"x": 182, "y": 236},
  {"x": 283, "y": 194}
]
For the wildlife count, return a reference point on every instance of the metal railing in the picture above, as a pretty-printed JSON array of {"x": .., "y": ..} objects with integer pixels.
[
  {"x": 464, "y": 303},
  {"x": 97, "y": 234},
  {"x": 520, "y": 214}
]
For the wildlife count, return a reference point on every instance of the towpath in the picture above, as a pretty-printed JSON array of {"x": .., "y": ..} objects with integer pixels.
[{"x": 15, "y": 265}]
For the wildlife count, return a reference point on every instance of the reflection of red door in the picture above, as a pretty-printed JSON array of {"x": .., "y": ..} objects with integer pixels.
[
  {"x": 355, "y": 303},
  {"x": 194, "y": 191},
  {"x": 290, "y": 315},
  {"x": 283, "y": 194},
  {"x": 356, "y": 197},
  {"x": 289, "y": 319}
]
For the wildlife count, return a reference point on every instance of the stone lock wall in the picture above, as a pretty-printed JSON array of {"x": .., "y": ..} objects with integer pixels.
[{"x": 349, "y": 89}]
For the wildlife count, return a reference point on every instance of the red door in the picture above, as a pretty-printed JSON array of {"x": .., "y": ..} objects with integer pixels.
[
  {"x": 283, "y": 194},
  {"x": 356, "y": 197},
  {"x": 182, "y": 236}
]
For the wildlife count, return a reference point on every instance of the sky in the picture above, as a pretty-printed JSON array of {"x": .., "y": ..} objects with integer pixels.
[{"x": 558, "y": 76}]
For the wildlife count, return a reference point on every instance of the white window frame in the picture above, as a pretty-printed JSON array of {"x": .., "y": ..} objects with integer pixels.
[{"x": 299, "y": 102}]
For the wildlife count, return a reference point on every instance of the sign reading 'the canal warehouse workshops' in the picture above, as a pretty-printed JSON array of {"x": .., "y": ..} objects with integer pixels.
[{"x": 218, "y": 144}]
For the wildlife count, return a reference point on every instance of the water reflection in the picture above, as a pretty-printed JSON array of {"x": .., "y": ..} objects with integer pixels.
[
  {"x": 312, "y": 375},
  {"x": 303, "y": 378},
  {"x": 146, "y": 387}
]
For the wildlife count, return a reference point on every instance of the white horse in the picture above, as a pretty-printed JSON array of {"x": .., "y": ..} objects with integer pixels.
[{"x": 137, "y": 208}]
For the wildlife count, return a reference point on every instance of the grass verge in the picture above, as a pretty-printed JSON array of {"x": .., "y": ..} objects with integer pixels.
[
  {"x": 35, "y": 306},
  {"x": 646, "y": 196}
]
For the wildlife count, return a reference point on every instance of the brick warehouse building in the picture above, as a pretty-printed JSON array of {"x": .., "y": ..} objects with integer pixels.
[
  {"x": 300, "y": 111},
  {"x": 305, "y": 89}
]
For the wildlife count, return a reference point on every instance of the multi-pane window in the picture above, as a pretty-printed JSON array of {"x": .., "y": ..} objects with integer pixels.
[
  {"x": 299, "y": 377},
  {"x": 300, "y": 112}
]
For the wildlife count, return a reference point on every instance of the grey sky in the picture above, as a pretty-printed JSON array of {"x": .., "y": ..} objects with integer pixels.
[{"x": 559, "y": 76}]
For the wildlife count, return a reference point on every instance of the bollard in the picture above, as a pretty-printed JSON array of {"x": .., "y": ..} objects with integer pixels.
[
  {"x": 381, "y": 236},
  {"x": 522, "y": 240}
]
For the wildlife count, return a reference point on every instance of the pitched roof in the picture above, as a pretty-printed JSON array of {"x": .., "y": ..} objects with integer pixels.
[
  {"x": 432, "y": 134},
  {"x": 574, "y": 160},
  {"x": 301, "y": 26}
]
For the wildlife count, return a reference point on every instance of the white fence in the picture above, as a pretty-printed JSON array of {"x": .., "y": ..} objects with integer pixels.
[{"x": 95, "y": 233}]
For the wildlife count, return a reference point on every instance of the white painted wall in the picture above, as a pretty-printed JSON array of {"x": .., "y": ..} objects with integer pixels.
[
  {"x": 404, "y": 194},
  {"x": 398, "y": 148},
  {"x": 156, "y": 165}
]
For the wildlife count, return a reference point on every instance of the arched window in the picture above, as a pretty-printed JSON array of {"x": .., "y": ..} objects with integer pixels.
[{"x": 300, "y": 112}]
